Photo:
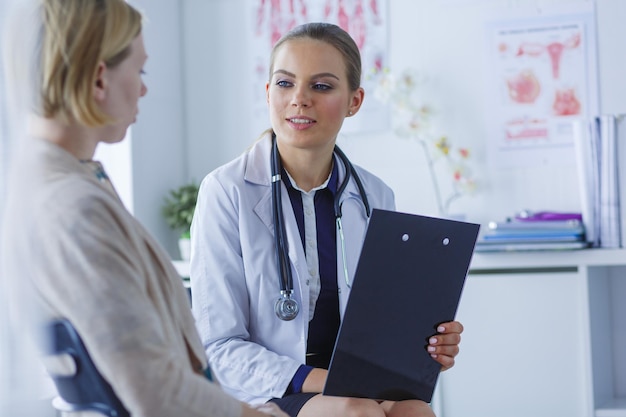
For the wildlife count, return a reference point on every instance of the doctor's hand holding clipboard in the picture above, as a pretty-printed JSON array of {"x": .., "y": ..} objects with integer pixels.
[
  {"x": 444, "y": 346},
  {"x": 277, "y": 234}
]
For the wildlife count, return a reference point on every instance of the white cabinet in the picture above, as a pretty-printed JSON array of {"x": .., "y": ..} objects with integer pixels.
[
  {"x": 545, "y": 335},
  {"x": 607, "y": 296}
]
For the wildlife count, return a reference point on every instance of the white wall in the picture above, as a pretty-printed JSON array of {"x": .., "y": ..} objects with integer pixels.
[
  {"x": 217, "y": 85},
  {"x": 198, "y": 111},
  {"x": 193, "y": 111},
  {"x": 158, "y": 146},
  {"x": 444, "y": 39},
  {"x": 4, "y": 160},
  {"x": 612, "y": 54}
]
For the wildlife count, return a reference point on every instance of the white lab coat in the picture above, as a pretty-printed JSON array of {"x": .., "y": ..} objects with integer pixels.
[{"x": 235, "y": 280}]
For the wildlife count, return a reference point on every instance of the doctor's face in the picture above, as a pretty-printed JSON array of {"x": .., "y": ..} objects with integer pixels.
[{"x": 308, "y": 94}]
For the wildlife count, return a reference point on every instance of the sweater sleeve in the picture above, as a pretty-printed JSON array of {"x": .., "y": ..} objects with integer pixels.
[{"x": 89, "y": 272}]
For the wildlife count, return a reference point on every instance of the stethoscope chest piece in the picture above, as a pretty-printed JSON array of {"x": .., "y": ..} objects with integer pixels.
[{"x": 286, "y": 308}]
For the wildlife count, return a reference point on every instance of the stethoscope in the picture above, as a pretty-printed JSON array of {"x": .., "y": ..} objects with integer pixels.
[{"x": 287, "y": 308}]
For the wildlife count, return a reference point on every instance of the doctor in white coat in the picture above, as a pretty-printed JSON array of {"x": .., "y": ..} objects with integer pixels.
[{"x": 235, "y": 275}]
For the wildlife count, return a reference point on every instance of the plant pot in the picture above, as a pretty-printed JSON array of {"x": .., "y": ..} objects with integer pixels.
[{"x": 184, "y": 246}]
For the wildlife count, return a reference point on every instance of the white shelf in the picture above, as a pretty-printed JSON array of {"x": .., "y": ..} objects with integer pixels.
[
  {"x": 616, "y": 408},
  {"x": 604, "y": 272},
  {"x": 520, "y": 260},
  {"x": 548, "y": 259}
]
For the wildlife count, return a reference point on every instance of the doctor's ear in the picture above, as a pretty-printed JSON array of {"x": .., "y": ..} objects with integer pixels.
[{"x": 356, "y": 101}]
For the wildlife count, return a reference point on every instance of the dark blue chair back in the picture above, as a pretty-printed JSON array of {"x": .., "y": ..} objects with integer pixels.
[{"x": 85, "y": 389}]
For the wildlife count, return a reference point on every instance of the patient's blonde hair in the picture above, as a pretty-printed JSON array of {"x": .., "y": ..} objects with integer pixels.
[{"x": 77, "y": 35}]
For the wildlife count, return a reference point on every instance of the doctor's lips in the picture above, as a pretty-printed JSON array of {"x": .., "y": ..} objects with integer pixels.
[{"x": 300, "y": 122}]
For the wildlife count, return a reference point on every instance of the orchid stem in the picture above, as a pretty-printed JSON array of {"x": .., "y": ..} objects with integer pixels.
[{"x": 433, "y": 177}]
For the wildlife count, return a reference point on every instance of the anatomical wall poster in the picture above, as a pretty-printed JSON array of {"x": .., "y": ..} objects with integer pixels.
[
  {"x": 544, "y": 77},
  {"x": 365, "y": 20}
]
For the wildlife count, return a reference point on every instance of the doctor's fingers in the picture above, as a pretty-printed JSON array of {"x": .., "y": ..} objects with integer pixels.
[
  {"x": 444, "y": 350},
  {"x": 445, "y": 361},
  {"x": 445, "y": 339},
  {"x": 450, "y": 327}
]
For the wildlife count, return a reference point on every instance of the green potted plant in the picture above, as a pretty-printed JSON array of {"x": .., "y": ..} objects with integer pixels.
[{"x": 178, "y": 209}]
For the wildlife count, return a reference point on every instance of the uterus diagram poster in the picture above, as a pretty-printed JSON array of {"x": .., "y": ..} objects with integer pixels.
[
  {"x": 543, "y": 77},
  {"x": 365, "y": 20}
]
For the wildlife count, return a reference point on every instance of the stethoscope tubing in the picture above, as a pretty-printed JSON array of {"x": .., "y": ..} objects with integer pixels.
[
  {"x": 287, "y": 308},
  {"x": 286, "y": 281},
  {"x": 350, "y": 172}
]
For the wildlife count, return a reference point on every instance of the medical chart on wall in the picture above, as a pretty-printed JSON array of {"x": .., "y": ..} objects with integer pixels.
[
  {"x": 365, "y": 20},
  {"x": 543, "y": 78}
]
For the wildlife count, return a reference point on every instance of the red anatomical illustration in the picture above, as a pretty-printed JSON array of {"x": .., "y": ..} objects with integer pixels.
[
  {"x": 566, "y": 103},
  {"x": 524, "y": 88}
]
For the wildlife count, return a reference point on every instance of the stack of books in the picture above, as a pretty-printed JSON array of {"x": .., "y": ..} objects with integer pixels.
[{"x": 539, "y": 231}]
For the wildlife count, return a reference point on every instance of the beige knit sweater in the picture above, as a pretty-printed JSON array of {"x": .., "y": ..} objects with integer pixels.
[{"x": 68, "y": 238}]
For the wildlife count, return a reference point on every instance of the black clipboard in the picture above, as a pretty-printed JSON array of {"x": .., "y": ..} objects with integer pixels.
[{"x": 409, "y": 279}]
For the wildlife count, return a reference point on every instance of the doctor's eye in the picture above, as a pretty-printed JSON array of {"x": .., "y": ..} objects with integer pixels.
[
  {"x": 284, "y": 83},
  {"x": 322, "y": 86}
]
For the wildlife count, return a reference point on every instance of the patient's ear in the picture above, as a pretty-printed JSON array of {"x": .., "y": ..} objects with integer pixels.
[{"x": 99, "y": 87}]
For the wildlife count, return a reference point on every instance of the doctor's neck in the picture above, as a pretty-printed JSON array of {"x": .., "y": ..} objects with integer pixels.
[{"x": 309, "y": 168}]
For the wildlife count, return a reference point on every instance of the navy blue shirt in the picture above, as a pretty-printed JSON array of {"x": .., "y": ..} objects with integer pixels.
[{"x": 324, "y": 326}]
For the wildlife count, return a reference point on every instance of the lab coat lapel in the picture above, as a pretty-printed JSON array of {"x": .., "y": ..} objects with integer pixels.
[{"x": 258, "y": 172}]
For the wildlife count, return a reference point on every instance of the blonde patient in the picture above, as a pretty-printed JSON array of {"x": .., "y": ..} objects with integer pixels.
[{"x": 87, "y": 258}]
